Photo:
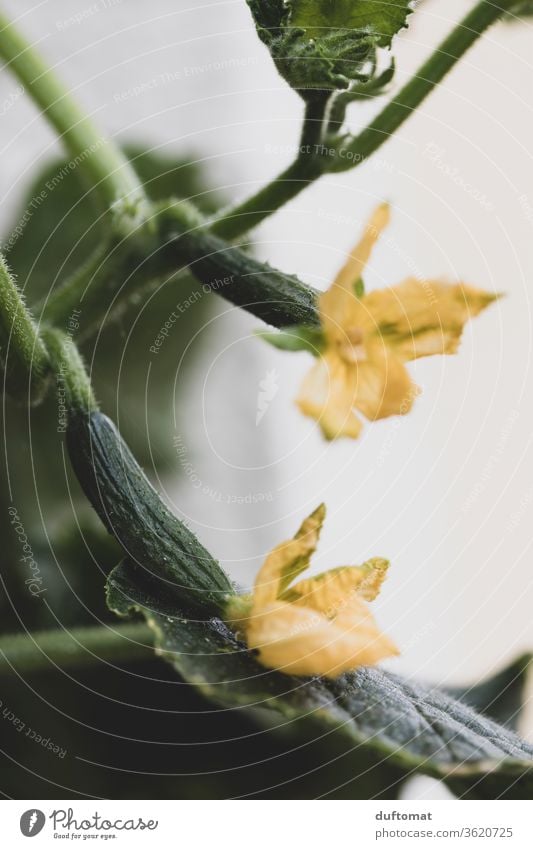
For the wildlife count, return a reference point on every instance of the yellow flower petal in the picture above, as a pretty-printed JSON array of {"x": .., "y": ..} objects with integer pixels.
[
  {"x": 287, "y": 560},
  {"x": 327, "y": 592},
  {"x": 300, "y": 641},
  {"x": 383, "y": 387},
  {"x": 376, "y": 572},
  {"x": 368, "y": 338},
  {"x": 421, "y": 318},
  {"x": 320, "y": 626},
  {"x": 331, "y": 591},
  {"x": 355, "y": 619},
  {"x": 338, "y": 305},
  {"x": 327, "y": 395}
]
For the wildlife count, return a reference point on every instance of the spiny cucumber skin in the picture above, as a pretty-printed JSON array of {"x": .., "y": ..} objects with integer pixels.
[
  {"x": 276, "y": 298},
  {"x": 134, "y": 514}
]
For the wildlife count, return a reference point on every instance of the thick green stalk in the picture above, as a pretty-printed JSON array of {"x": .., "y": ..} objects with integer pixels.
[
  {"x": 73, "y": 384},
  {"x": 77, "y": 648},
  {"x": 442, "y": 60},
  {"x": 106, "y": 168},
  {"x": 22, "y": 351}
]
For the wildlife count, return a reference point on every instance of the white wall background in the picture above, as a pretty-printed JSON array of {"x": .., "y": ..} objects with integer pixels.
[{"x": 447, "y": 492}]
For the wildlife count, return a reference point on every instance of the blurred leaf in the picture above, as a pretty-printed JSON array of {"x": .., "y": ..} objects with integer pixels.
[
  {"x": 297, "y": 338},
  {"x": 503, "y": 696},
  {"x": 521, "y": 10},
  {"x": 326, "y": 44},
  {"x": 52, "y": 233},
  {"x": 388, "y": 727},
  {"x": 59, "y": 225},
  {"x": 136, "y": 731},
  {"x": 60, "y": 231}
]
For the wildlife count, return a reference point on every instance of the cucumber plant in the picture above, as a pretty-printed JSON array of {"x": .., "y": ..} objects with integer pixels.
[{"x": 380, "y": 728}]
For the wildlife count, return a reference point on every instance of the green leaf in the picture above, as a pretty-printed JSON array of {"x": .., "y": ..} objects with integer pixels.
[
  {"x": 296, "y": 338},
  {"x": 502, "y": 696},
  {"x": 375, "y": 86},
  {"x": 382, "y": 19},
  {"x": 268, "y": 15},
  {"x": 326, "y": 44},
  {"x": 382, "y": 727}
]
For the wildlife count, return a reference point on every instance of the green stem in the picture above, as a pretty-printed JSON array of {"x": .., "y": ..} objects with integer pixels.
[
  {"x": 442, "y": 60},
  {"x": 72, "y": 381},
  {"x": 304, "y": 170},
  {"x": 24, "y": 355},
  {"x": 106, "y": 167},
  {"x": 313, "y": 121},
  {"x": 307, "y": 166},
  {"x": 28, "y": 357},
  {"x": 76, "y": 648}
]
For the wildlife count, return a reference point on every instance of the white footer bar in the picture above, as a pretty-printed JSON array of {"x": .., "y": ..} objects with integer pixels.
[{"x": 267, "y": 824}]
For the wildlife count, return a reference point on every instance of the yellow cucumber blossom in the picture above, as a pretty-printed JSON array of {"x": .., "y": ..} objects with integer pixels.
[
  {"x": 369, "y": 337},
  {"x": 316, "y": 626}
]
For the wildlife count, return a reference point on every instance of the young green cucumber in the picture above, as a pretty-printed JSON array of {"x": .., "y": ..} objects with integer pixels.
[{"x": 132, "y": 511}]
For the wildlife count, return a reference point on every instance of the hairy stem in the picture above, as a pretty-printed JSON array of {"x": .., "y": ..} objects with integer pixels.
[
  {"x": 106, "y": 168},
  {"x": 76, "y": 648},
  {"x": 72, "y": 381},
  {"x": 22, "y": 351}
]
